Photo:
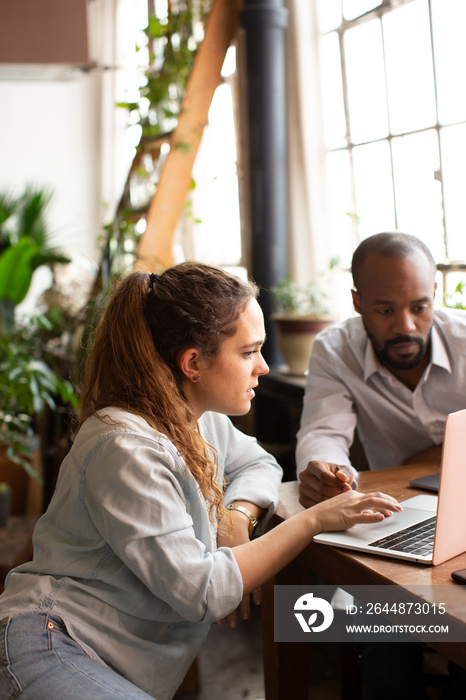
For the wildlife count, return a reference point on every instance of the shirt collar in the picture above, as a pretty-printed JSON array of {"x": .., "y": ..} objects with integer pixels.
[{"x": 439, "y": 356}]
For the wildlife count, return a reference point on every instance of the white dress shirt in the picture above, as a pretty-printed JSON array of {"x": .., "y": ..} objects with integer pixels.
[{"x": 348, "y": 386}]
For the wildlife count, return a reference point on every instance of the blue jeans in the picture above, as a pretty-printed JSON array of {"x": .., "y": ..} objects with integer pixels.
[{"x": 40, "y": 661}]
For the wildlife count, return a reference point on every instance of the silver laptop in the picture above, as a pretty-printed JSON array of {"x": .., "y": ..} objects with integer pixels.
[{"x": 406, "y": 535}]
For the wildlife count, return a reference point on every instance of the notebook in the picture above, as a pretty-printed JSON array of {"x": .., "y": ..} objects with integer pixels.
[
  {"x": 428, "y": 483},
  {"x": 447, "y": 511}
]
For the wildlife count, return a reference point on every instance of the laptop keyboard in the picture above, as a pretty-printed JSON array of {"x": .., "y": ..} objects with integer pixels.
[{"x": 416, "y": 539}]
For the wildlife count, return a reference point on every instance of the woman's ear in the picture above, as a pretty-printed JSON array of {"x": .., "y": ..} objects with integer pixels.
[{"x": 190, "y": 364}]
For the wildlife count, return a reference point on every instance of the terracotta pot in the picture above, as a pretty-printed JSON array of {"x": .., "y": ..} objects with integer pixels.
[{"x": 295, "y": 336}]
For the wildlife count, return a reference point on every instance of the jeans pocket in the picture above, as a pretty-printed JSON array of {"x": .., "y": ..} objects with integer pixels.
[
  {"x": 4, "y": 623},
  {"x": 9, "y": 685}
]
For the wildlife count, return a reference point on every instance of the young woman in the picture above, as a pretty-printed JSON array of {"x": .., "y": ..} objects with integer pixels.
[{"x": 147, "y": 538}]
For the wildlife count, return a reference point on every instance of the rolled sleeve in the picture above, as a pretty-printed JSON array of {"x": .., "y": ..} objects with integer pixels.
[
  {"x": 251, "y": 473},
  {"x": 328, "y": 419}
]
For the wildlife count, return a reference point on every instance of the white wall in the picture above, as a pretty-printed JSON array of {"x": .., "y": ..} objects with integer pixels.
[
  {"x": 49, "y": 136},
  {"x": 69, "y": 135}
]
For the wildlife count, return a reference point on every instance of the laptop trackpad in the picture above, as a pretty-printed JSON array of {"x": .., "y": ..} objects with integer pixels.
[{"x": 414, "y": 510}]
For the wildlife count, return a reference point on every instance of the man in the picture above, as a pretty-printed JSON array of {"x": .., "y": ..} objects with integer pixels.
[{"x": 394, "y": 372}]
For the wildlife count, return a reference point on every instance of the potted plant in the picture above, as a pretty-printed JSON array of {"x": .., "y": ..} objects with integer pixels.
[
  {"x": 27, "y": 381},
  {"x": 300, "y": 313}
]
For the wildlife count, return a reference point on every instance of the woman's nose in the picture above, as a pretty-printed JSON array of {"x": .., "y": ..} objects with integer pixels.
[{"x": 263, "y": 367}]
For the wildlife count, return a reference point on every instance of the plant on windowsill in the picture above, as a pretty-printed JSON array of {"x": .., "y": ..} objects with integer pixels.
[
  {"x": 457, "y": 300},
  {"x": 300, "y": 312}
]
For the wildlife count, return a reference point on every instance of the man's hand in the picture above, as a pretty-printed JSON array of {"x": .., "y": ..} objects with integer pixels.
[{"x": 323, "y": 480}]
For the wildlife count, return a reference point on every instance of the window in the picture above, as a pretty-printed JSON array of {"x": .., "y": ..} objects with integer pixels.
[{"x": 394, "y": 109}]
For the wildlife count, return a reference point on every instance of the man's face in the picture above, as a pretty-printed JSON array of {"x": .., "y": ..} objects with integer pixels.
[{"x": 396, "y": 302}]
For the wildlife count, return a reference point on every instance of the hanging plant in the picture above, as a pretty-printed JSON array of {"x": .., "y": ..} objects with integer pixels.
[{"x": 172, "y": 41}]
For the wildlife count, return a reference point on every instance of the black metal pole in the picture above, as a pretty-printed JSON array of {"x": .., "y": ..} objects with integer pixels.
[{"x": 265, "y": 23}]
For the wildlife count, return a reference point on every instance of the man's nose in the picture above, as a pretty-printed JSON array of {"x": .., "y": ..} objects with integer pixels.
[{"x": 404, "y": 323}]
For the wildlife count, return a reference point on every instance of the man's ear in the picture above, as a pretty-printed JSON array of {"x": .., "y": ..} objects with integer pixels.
[
  {"x": 356, "y": 300},
  {"x": 190, "y": 364}
]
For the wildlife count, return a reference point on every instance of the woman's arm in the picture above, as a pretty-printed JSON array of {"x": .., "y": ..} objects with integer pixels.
[
  {"x": 237, "y": 535},
  {"x": 265, "y": 556}
]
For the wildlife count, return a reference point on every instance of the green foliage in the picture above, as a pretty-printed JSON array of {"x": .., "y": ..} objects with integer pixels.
[
  {"x": 27, "y": 381},
  {"x": 172, "y": 45},
  {"x": 24, "y": 246},
  {"x": 27, "y": 386},
  {"x": 457, "y": 300},
  {"x": 291, "y": 299}
]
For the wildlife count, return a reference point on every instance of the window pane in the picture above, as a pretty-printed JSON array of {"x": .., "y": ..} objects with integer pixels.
[
  {"x": 449, "y": 21},
  {"x": 417, "y": 192},
  {"x": 340, "y": 204},
  {"x": 453, "y": 145},
  {"x": 408, "y": 56},
  {"x": 332, "y": 92},
  {"x": 216, "y": 190},
  {"x": 366, "y": 82},
  {"x": 328, "y": 14},
  {"x": 374, "y": 191},
  {"x": 354, "y": 8}
]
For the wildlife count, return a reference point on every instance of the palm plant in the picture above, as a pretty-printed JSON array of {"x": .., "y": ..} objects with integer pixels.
[
  {"x": 24, "y": 246},
  {"x": 27, "y": 382}
]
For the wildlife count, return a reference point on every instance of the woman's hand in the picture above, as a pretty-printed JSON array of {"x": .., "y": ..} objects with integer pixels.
[{"x": 351, "y": 508}]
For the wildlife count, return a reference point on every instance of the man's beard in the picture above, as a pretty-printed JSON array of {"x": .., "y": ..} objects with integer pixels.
[{"x": 409, "y": 363}]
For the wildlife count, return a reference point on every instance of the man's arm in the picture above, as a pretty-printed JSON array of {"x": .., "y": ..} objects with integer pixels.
[{"x": 327, "y": 429}]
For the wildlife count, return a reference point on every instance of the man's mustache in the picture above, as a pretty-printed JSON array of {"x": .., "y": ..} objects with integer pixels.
[{"x": 404, "y": 339}]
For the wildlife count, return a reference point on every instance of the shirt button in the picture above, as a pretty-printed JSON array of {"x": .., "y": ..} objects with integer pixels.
[{"x": 50, "y": 625}]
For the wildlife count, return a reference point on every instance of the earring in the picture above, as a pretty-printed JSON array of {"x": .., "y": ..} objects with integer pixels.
[{"x": 196, "y": 378}]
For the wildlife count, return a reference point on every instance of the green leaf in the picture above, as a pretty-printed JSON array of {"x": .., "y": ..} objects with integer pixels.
[
  {"x": 156, "y": 29},
  {"x": 16, "y": 268}
]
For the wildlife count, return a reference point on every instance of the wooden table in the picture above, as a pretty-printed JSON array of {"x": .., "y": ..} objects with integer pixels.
[{"x": 286, "y": 664}]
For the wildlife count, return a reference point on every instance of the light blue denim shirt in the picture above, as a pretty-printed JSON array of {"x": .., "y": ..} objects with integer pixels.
[{"x": 125, "y": 553}]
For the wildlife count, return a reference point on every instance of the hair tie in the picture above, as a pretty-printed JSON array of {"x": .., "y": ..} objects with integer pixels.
[{"x": 152, "y": 277}]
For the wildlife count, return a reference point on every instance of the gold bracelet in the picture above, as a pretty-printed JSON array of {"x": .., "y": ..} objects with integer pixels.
[{"x": 253, "y": 522}]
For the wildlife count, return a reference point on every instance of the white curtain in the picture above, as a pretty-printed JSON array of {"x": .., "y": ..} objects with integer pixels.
[{"x": 310, "y": 247}]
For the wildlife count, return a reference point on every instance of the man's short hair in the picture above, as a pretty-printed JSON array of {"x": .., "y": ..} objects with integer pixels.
[{"x": 390, "y": 245}]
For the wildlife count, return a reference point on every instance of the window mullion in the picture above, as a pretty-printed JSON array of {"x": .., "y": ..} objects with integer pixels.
[
  {"x": 389, "y": 135},
  {"x": 439, "y": 174},
  {"x": 349, "y": 144}
]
